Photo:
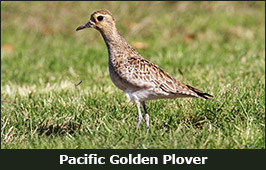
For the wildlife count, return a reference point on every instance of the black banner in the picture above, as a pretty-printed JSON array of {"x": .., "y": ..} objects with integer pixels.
[{"x": 120, "y": 158}]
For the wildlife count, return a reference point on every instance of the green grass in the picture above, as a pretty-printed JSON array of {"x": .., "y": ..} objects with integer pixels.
[{"x": 218, "y": 47}]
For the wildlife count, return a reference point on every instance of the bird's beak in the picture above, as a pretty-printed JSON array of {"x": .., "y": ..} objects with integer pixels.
[{"x": 87, "y": 25}]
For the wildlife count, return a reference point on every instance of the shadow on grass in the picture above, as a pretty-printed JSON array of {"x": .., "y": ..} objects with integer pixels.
[{"x": 59, "y": 129}]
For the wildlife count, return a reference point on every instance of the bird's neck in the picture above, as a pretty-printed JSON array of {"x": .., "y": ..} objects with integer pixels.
[{"x": 115, "y": 43}]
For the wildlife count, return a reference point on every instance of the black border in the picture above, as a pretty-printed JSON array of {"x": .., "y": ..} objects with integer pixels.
[{"x": 218, "y": 158}]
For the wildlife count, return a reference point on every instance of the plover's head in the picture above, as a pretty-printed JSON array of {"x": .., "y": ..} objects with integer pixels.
[{"x": 100, "y": 20}]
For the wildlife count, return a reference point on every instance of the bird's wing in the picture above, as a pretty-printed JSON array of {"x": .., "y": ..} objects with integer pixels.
[{"x": 142, "y": 73}]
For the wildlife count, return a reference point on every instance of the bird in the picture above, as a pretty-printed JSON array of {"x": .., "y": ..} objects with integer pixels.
[{"x": 139, "y": 78}]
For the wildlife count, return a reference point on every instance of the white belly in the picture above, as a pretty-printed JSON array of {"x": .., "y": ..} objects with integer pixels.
[{"x": 147, "y": 94}]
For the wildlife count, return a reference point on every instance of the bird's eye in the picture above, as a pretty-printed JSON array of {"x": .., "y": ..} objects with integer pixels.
[{"x": 100, "y": 18}]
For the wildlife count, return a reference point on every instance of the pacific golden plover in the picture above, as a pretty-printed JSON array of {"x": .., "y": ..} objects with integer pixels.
[{"x": 138, "y": 77}]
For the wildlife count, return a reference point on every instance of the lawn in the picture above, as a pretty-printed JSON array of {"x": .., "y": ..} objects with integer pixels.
[{"x": 217, "y": 47}]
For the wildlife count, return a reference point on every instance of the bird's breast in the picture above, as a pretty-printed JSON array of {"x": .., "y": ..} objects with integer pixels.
[{"x": 115, "y": 76}]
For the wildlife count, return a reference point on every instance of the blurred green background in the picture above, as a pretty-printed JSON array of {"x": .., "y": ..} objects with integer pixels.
[{"x": 218, "y": 47}]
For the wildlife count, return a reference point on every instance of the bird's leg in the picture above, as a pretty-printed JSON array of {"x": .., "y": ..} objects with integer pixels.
[
  {"x": 140, "y": 116},
  {"x": 146, "y": 115}
]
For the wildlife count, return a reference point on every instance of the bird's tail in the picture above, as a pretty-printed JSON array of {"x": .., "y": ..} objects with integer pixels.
[{"x": 201, "y": 94}]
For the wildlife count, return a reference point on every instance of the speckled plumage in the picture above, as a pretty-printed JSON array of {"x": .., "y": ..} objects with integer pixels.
[{"x": 138, "y": 77}]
